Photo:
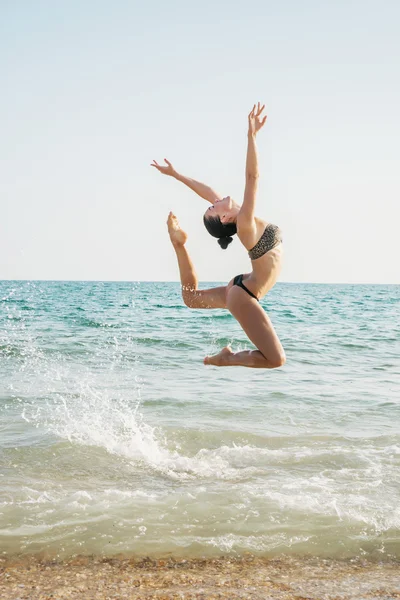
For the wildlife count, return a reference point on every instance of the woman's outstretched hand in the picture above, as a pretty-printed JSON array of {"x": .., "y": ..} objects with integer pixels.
[
  {"x": 168, "y": 170},
  {"x": 256, "y": 121}
]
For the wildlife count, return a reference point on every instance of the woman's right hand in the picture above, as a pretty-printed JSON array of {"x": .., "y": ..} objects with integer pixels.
[{"x": 168, "y": 170}]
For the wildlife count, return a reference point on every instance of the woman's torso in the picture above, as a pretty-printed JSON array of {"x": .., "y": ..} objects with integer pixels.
[{"x": 266, "y": 268}]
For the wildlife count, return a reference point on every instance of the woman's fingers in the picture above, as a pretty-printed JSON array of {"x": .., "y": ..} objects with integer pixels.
[
  {"x": 168, "y": 163},
  {"x": 260, "y": 109},
  {"x": 256, "y": 110}
]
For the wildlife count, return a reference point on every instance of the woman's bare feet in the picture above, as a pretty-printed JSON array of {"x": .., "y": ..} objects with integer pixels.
[
  {"x": 177, "y": 235},
  {"x": 222, "y": 359}
]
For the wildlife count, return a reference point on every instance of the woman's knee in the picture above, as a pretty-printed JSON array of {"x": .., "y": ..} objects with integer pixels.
[
  {"x": 276, "y": 361},
  {"x": 189, "y": 297}
]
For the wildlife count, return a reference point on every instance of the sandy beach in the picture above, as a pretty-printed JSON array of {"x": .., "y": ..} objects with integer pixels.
[{"x": 168, "y": 578}]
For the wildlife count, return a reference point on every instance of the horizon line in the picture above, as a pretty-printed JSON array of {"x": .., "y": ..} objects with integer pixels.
[{"x": 177, "y": 281}]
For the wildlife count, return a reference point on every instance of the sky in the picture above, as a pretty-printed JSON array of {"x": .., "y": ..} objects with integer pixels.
[{"x": 93, "y": 91}]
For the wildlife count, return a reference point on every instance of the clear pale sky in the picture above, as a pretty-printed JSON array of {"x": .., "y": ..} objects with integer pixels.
[{"x": 92, "y": 91}]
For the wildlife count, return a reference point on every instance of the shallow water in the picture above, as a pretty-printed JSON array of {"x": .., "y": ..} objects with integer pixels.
[{"x": 116, "y": 438}]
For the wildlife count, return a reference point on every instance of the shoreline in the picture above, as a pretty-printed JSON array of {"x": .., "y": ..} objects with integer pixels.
[{"x": 33, "y": 577}]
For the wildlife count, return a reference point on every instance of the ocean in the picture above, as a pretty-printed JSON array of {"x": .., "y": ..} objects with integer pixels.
[{"x": 115, "y": 438}]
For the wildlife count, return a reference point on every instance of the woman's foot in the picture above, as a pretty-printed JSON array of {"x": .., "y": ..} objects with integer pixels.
[
  {"x": 222, "y": 359},
  {"x": 177, "y": 235}
]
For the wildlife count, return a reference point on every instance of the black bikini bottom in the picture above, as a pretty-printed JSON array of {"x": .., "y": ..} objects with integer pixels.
[{"x": 239, "y": 281}]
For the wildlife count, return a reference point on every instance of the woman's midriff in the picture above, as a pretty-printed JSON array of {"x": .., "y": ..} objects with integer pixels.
[{"x": 266, "y": 270}]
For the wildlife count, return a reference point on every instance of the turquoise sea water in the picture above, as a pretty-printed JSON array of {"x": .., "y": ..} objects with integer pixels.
[{"x": 114, "y": 437}]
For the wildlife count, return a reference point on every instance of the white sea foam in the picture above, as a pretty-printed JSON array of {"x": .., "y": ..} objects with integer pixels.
[{"x": 89, "y": 417}]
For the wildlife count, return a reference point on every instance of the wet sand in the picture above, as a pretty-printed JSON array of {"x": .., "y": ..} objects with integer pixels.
[{"x": 250, "y": 577}]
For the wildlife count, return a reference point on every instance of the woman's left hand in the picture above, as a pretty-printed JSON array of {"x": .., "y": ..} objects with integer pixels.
[{"x": 256, "y": 122}]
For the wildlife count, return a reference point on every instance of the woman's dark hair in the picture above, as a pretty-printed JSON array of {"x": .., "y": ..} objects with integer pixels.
[{"x": 222, "y": 231}]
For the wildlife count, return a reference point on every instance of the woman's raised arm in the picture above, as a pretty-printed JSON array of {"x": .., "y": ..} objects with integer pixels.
[
  {"x": 202, "y": 190},
  {"x": 246, "y": 213}
]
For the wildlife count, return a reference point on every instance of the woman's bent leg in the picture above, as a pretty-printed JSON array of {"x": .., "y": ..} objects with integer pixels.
[
  {"x": 192, "y": 296},
  {"x": 259, "y": 329}
]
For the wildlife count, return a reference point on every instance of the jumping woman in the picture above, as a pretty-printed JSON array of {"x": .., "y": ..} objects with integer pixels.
[{"x": 262, "y": 240}]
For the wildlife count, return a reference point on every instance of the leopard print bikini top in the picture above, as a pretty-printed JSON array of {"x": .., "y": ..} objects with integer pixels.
[{"x": 271, "y": 237}]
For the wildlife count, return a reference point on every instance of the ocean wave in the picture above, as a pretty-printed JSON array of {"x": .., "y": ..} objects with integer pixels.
[{"x": 118, "y": 435}]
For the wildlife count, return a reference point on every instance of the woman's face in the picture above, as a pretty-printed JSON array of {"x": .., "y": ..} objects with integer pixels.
[{"x": 221, "y": 209}]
